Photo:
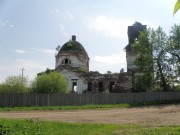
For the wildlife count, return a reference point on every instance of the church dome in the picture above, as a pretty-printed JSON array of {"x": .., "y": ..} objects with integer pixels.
[
  {"x": 73, "y": 45},
  {"x": 72, "y": 56}
]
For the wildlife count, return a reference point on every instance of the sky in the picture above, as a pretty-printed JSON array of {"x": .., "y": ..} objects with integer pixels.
[{"x": 30, "y": 31}]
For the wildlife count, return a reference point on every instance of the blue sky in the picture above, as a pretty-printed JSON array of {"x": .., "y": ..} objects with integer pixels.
[{"x": 30, "y": 30}]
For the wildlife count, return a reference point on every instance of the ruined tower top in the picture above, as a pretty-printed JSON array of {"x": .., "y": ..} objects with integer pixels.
[{"x": 133, "y": 33}]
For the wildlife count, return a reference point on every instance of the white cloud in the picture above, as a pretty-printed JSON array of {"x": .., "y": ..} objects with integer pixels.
[
  {"x": 11, "y": 25},
  {"x": 29, "y": 64},
  {"x": 45, "y": 51},
  {"x": 39, "y": 50},
  {"x": 111, "y": 59},
  {"x": 31, "y": 67},
  {"x": 70, "y": 15},
  {"x": 169, "y": 4},
  {"x": 54, "y": 11},
  {"x": 58, "y": 13},
  {"x": 112, "y": 27},
  {"x": 113, "y": 63},
  {"x": 62, "y": 29},
  {"x": 20, "y": 51},
  {"x": 48, "y": 51},
  {"x": 61, "y": 26},
  {"x": 6, "y": 24},
  {"x": 2, "y": 23}
]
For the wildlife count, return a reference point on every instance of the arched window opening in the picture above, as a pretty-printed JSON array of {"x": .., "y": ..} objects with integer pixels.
[{"x": 66, "y": 62}]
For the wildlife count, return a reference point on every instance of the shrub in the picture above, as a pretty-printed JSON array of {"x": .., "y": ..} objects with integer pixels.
[
  {"x": 53, "y": 82},
  {"x": 15, "y": 84}
]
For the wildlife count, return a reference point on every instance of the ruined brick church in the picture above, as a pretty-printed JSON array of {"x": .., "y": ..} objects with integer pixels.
[{"x": 72, "y": 61}]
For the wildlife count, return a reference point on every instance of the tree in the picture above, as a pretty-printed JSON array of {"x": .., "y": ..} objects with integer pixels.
[
  {"x": 173, "y": 50},
  {"x": 15, "y": 84},
  {"x": 52, "y": 82},
  {"x": 159, "y": 39},
  {"x": 166, "y": 53},
  {"x": 46, "y": 72},
  {"x": 142, "y": 50},
  {"x": 109, "y": 72},
  {"x": 159, "y": 54},
  {"x": 176, "y": 6}
]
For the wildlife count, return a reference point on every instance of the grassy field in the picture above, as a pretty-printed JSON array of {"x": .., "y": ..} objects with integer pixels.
[
  {"x": 36, "y": 127},
  {"x": 85, "y": 107},
  {"x": 33, "y": 127}
]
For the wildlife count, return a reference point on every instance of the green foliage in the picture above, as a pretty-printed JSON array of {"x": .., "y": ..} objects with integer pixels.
[
  {"x": 46, "y": 72},
  {"x": 159, "y": 54},
  {"x": 15, "y": 84},
  {"x": 53, "y": 82},
  {"x": 177, "y": 88},
  {"x": 173, "y": 49},
  {"x": 22, "y": 127},
  {"x": 142, "y": 50},
  {"x": 169, "y": 57},
  {"x": 177, "y": 6},
  {"x": 69, "y": 45},
  {"x": 34, "y": 127},
  {"x": 159, "y": 40},
  {"x": 87, "y": 107},
  {"x": 143, "y": 82}
]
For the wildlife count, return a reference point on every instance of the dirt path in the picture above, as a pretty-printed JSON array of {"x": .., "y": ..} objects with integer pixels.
[{"x": 152, "y": 115}]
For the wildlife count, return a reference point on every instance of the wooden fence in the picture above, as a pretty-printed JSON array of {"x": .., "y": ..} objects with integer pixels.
[{"x": 31, "y": 99}]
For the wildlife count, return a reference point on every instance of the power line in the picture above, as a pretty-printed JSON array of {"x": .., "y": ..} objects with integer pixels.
[{"x": 6, "y": 50}]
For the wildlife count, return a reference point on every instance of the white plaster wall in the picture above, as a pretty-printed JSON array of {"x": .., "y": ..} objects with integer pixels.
[
  {"x": 130, "y": 59},
  {"x": 71, "y": 76},
  {"x": 75, "y": 62}
]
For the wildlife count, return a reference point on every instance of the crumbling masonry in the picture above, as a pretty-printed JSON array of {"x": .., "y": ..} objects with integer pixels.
[{"x": 72, "y": 61}]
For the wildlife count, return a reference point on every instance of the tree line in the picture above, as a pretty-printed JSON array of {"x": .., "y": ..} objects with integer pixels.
[{"x": 158, "y": 59}]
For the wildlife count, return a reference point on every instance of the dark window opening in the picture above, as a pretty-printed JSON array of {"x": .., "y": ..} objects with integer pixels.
[
  {"x": 74, "y": 87},
  {"x": 89, "y": 86},
  {"x": 66, "y": 61},
  {"x": 101, "y": 86},
  {"x": 111, "y": 86}
]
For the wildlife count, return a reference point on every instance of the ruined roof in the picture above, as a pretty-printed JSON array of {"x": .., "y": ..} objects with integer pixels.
[
  {"x": 73, "y": 45},
  {"x": 133, "y": 33}
]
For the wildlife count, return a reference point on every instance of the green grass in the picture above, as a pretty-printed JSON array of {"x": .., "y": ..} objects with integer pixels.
[
  {"x": 85, "y": 107},
  {"x": 82, "y": 107},
  {"x": 33, "y": 127}
]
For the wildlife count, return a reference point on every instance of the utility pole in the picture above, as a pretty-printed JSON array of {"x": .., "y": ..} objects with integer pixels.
[{"x": 22, "y": 73}]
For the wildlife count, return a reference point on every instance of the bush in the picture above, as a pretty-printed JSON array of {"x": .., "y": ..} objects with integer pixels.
[
  {"x": 53, "y": 82},
  {"x": 15, "y": 84}
]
